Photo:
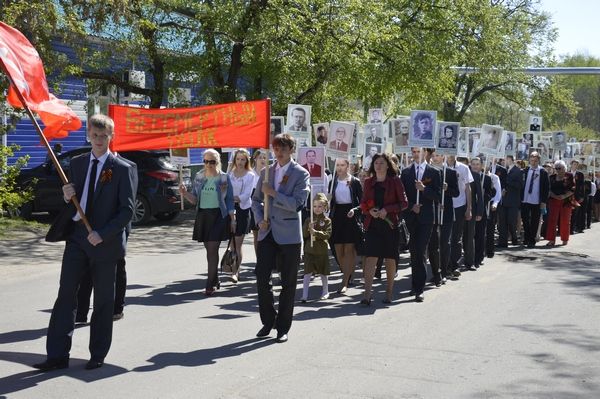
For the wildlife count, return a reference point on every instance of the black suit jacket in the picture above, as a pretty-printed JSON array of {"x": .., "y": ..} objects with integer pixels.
[
  {"x": 579, "y": 188},
  {"x": 477, "y": 206},
  {"x": 513, "y": 187},
  {"x": 114, "y": 201},
  {"x": 502, "y": 173},
  {"x": 451, "y": 192},
  {"x": 428, "y": 197},
  {"x": 544, "y": 184}
]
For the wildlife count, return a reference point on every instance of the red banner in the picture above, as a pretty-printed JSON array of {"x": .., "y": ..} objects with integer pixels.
[
  {"x": 242, "y": 124},
  {"x": 22, "y": 63}
]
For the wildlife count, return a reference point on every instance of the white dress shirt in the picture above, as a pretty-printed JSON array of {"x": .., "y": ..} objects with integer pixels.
[
  {"x": 533, "y": 198},
  {"x": 84, "y": 194},
  {"x": 464, "y": 177},
  {"x": 280, "y": 171},
  {"x": 498, "y": 188}
]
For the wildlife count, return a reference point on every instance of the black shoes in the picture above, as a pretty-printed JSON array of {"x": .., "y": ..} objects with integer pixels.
[
  {"x": 94, "y": 364},
  {"x": 366, "y": 302},
  {"x": 118, "y": 316},
  {"x": 281, "y": 338},
  {"x": 53, "y": 364},
  {"x": 419, "y": 297},
  {"x": 264, "y": 332}
]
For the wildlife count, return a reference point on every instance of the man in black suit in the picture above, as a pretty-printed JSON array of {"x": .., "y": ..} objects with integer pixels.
[
  {"x": 534, "y": 197},
  {"x": 439, "y": 243},
  {"x": 508, "y": 211},
  {"x": 105, "y": 187},
  {"x": 477, "y": 215},
  {"x": 488, "y": 193},
  {"x": 420, "y": 215},
  {"x": 577, "y": 224}
]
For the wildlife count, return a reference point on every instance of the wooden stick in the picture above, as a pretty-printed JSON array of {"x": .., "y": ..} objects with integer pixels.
[
  {"x": 312, "y": 219},
  {"x": 266, "y": 197},
  {"x": 51, "y": 154},
  {"x": 443, "y": 192},
  {"x": 417, "y": 171},
  {"x": 180, "y": 183}
]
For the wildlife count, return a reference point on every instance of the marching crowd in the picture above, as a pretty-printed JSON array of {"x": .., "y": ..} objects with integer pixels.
[{"x": 443, "y": 209}]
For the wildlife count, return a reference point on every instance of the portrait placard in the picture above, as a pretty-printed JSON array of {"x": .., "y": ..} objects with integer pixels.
[
  {"x": 463, "y": 142},
  {"x": 370, "y": 150},
  {"x": 313, "y": 160},
  {"x": 474, "y": 136},
  {"x": 447, "y": 138},
  {"x": 375, "y": 115},
  {"x": 180, "y": 156},
  {"x": 422, "y": 129},
  {"x": 298, "y": 118},
  {"x": 508, "y": 144},
  {"x": 399, "y": 130},
  {"x": 340, "y": 139},
  {"x": 490, "y": 142},
  {"x": 559, "y": 141},
  {"x": 373, "y": 133},
  {"x": 277, "y": 125},
  {"x": 523, "y": 149},
  {"x": 535, "y": 123},
  {"x": 321, "y": 134}
]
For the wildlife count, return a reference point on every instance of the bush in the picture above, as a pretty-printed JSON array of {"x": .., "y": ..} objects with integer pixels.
[{"x": 11, "y": 196}]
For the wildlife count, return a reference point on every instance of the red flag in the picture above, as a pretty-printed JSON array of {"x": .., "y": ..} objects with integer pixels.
[{"x": 22, "y": 63}]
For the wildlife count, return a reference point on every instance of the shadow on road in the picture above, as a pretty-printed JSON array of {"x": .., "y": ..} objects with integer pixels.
[
  {"x": 203, "y": 357},
  {"x": 29, "y": 379}
]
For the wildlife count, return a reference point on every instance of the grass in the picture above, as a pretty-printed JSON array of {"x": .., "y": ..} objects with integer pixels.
[{"x": 16, "y": 228}]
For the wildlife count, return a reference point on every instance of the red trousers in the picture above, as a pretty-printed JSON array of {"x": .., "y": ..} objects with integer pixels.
[{"x": 557, "y": 211}]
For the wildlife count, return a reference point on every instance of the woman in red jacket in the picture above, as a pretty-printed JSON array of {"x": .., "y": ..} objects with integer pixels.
[{"x": 383, "y": 200}]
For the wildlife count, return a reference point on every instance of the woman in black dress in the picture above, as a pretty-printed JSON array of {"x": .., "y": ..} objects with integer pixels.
[{"x": 346, "y": 193}]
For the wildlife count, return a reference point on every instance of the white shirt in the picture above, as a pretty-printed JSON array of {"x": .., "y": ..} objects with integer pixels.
[
  {"x": 342, "y": 192},
  {"x": 280, "y": 171},
  {"x": 533, "y": 197},
  {"x": 464, "y": 177},
  {"x": 242, "y": 187},
  {"x": 84, "y": 194},
  {"x": 498, "y": 188},
  {"x": 419, "y": 169}
]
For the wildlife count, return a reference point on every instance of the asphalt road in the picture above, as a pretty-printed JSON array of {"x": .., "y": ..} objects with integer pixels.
[{"x": 526, "y": 325}]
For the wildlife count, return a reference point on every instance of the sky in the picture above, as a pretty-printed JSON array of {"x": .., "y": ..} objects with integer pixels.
[{"x": 578, "y": 25}]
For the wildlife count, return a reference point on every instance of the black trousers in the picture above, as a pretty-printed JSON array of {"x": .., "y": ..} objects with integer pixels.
[
  {"x": 480, "y": 240},
  {"x": 589, "y": 208},
  {"x": 490, "y": 231},
  {"x": 458, "y": 227},
  {"x": 267, "y": 252},
  {"x": 85, "y": 291},
  {"x": 75, "y": 264},
  {"x": 439, "y": 250},
  {"x": 530, "y": 215},
  {"x": 507, "y": 224},
  {"x": 420, "y": 233},
  {"x": 469, "y": 241}
]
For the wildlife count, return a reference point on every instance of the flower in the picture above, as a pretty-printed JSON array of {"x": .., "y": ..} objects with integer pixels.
[
  {"x": 284, "y": 179},
  {"x": 106, "y": 176}
]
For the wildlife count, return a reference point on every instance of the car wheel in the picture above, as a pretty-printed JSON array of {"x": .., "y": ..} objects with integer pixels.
[
  {"x": 141, "y": 212},
  {"x": 166, "y": 216}
]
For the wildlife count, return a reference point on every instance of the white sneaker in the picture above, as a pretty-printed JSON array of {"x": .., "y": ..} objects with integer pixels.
[{"x": 325, "y": 296}]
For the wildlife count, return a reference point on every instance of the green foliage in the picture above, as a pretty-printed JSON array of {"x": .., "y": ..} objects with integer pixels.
[{"x": 11, "y": 196}]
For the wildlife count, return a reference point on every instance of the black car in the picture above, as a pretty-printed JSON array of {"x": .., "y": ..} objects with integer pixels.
[{"x": 157, "y": 194}]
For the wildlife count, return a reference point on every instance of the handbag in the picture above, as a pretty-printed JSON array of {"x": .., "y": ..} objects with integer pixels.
[{"x": 229, "y": 259}]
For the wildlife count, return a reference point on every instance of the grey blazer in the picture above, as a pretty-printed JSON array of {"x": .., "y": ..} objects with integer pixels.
[{"x": 284, "y": 208}]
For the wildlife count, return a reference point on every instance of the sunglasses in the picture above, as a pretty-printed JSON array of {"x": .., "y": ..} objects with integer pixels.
[
  {"x": 558, "y": 168},
  {"x": 210, "y": 161}
]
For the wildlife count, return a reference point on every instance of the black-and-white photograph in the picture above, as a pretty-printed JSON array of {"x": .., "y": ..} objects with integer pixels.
[
  {"x": 559, "y": 141},
  {"x": 523, "y": 149},
  {"x": 447, "y": 138},
  {"x": 422, "y": 128},
  {"x": 399, "y": 129},
  {"x": 509, "y": 143},
  {"x": 474, "y": 136},
  {"x": 529, "y": 138},
  {"x": 321, "y": 134},
  {"x": 375, "y": 115},
  {"x": 298, "y": 117},
  {"x": 277, "y": 124},
  {"x": 373, "y": 133},
  {"x": 535, "y": 123},
  {"x": 490, "y": 140},
  {"x": 463, "y": 142},
  {"x": 370, "y": 150}
]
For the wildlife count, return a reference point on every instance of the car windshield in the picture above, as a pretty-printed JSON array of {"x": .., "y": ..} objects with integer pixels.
[{"x": 165, "y": 163}]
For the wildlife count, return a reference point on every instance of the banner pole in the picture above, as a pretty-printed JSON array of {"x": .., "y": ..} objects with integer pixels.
[
  {"x": 417, "y": 171},
  {"x": 180, "y": 183},
  {"x": 443, "y": 193},
  {"x": 312, "y": 219},
  {"x": 268, "y": 152},
  {"x": 51, "y": 154}
]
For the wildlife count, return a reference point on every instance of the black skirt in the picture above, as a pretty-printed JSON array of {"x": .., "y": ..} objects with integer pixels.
[
  {"x": 242, "y": 219},
  {"x": 344, "y": 230},
  {"x": 381, "y": 241},
  {"x": 211, "y": 226}
]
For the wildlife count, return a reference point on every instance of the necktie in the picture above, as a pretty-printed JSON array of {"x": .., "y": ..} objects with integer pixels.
[
  {"x": 338, "y": 145},
  {"x": 533, "y": 176},
  {"x": 91, "y": 186}
]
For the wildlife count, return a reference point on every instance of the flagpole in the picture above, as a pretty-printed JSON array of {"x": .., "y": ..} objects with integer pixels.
[
  {"x": 443, "y": 192},
  {"x": 266, "y": 197},
  {"x": 51, "y": 154}
]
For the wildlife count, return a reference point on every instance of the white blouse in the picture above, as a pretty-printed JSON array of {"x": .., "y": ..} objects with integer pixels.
[
  {"x": 242, "y": 187},
  {"x": 342, "y": 192}
]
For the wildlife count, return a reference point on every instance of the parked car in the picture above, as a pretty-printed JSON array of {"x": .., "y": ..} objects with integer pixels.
[{"x": 157, "y": 194}]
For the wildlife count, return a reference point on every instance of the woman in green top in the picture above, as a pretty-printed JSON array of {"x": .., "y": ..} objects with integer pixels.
[{"x": 215, "y": 212}]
